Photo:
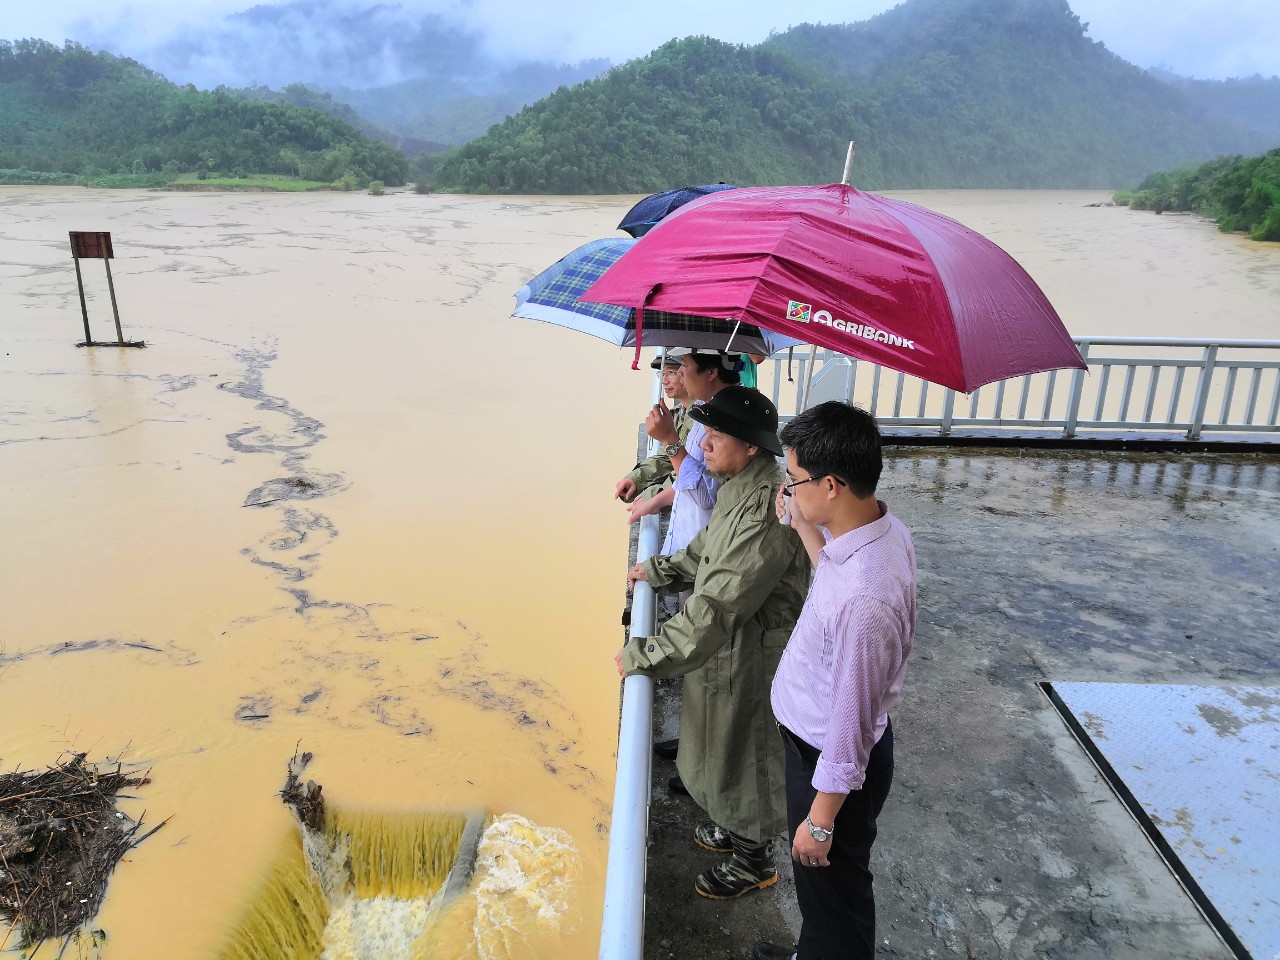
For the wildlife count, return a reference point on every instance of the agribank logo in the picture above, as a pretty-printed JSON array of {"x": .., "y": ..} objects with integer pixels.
[{"x": 798, "y": 312}]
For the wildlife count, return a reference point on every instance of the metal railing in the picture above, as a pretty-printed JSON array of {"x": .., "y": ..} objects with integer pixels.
[
  {"x": 622, "y": 925},
  {"x": 1234, "y": 387},
  {"x": 622, "y": 922},
  {"x": 1155, "y": 385}
]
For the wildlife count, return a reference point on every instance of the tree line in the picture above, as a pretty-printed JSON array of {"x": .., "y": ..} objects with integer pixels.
[
  {"x": 70, "y": 114},
  {"x": 1240, "y": 194}
]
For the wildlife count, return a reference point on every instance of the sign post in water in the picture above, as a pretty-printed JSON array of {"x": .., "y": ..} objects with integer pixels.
[{"x": 88, "y": 245}]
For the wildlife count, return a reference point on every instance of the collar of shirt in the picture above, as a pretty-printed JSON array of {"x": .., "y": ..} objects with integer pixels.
[
  {"x": 764, "y": 468},
  {"x": 841, "y": 548}
]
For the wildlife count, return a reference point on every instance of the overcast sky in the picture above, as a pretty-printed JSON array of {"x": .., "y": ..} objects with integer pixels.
[{"x": 1201, "y": 38}]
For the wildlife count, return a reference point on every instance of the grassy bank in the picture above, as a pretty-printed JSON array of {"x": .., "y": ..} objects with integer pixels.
[
  {"x": 187, "y": 181},
  {"x": 268, "y": 182}
]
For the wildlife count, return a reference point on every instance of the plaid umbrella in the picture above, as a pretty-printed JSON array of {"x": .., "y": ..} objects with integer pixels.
[{"x": 553, "y": 297}]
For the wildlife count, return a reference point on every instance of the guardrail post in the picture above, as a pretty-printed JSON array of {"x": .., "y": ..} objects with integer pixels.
[
  {"x": 1202, "y": 392},
  {"x": 948, "y": 408},
  {"x": 1073, "y": 399}
]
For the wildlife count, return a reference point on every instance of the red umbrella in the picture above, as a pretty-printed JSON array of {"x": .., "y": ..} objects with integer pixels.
[{"x": 874, "y": 278}]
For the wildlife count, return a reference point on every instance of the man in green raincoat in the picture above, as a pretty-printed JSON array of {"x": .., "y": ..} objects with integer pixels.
[
  {"x": 749, "y": 575},
  {"x": 657, "y": 469}
]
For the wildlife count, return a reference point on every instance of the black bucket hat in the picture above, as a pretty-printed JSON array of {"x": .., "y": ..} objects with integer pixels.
[{"x": 742, "y": 412}]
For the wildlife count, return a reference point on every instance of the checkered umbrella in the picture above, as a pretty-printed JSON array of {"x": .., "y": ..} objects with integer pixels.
[{"x": 552, "y": 297}]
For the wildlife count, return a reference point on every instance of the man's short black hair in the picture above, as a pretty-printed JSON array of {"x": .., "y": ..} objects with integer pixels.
[
  {"x": 840, "y": 440},
  {"x": 715, "y": 360}
]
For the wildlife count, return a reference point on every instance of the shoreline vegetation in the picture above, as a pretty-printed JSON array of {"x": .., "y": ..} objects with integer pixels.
[
  {"x": 1240, "y": 194},
  {"x": 187, "y": 182}
]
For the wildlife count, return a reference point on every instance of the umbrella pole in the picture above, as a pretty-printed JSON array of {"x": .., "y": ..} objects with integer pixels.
[
  {"x": 848, "y": 163},
  {"x": 808, "y": 378},
  {"x": 732, "y": 335}
]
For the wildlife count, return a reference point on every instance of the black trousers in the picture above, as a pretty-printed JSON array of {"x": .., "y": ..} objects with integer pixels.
[{"x": 837, "y": 907}]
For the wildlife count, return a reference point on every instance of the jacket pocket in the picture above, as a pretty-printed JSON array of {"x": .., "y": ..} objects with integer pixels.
[{"x": 772, "y": 642}]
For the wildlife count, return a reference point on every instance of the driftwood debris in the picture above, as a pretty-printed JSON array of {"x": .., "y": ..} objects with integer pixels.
[
  {"x": 304, "y": 798},
  {"x": 60, "y": 837}
]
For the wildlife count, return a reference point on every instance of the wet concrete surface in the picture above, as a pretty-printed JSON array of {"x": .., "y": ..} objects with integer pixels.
[{"x": 1000, "y": 839}]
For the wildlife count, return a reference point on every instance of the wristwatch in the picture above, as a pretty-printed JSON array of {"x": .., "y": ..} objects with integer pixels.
[
  {"x": 818, "y": 833},
  {"x": 672, "y": 449}
]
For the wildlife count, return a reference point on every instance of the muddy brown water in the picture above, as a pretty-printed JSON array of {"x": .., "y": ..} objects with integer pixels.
[{"x": 343, "y": 498}]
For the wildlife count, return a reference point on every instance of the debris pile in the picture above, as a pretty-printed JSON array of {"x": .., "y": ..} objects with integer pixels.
[
  {"x": 60, "y": 837},
  {"x": 303, "y": 798}
]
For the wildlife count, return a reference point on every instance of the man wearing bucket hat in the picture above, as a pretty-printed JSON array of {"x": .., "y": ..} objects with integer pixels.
[{"x": 748, "y": 574}]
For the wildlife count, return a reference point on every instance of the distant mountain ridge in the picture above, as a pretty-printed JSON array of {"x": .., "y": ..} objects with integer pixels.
[
  {"x": 1251, "y": 101},
  {"x": 417, "y": 78},
  {"x": 453, "y": 110},
  {"x": 938, "y": 93},
  {"x": 70, "y": 111}
]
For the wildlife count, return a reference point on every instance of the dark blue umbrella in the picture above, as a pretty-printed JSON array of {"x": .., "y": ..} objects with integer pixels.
[{"x": 645, "y": 214}]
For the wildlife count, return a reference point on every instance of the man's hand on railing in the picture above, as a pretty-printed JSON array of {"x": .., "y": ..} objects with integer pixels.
[
  {"x": 650, "y": 505},
  {"x": 634, "y": 574},
  {"x": 622, "y": 671}
]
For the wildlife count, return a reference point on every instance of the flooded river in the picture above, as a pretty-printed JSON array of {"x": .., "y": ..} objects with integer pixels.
[{"x": 342, "y": 499}]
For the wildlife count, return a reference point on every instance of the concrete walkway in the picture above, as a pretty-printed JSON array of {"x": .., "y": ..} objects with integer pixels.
[{"x": 999, "y": 839}]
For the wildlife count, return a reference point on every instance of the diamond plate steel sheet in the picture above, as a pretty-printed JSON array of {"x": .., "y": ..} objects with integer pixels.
[{"x": 1203, "y": 763}]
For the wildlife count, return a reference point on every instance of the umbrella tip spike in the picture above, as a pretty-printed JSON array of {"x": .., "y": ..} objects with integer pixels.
[{"x": 848, "y": 163}]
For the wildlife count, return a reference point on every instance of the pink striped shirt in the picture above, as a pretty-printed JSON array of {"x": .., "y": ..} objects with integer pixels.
[{"x": 843, "y": 667}]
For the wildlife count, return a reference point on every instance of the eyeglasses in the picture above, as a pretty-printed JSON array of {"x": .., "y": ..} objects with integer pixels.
[{"x": 788, "y": 487}]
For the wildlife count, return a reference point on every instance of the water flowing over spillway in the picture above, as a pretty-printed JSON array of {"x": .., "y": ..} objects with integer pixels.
[{"x": 372, "y": 886}]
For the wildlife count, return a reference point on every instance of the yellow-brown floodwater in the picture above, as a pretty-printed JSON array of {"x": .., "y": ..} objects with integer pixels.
[{"x": 342, "y": 498}]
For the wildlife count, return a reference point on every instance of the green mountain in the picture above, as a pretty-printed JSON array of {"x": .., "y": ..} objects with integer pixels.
[
  {"x": 694, "y": 111},
  {"x": 70, "y": 111},
  {"x": 937, "y": 93}
]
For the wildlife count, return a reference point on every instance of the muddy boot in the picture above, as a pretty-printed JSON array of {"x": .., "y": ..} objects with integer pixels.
[{"x": 750, "y": 868}]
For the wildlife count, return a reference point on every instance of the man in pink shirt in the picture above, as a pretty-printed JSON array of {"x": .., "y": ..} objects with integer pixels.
[{"x": 841, "y": 672}]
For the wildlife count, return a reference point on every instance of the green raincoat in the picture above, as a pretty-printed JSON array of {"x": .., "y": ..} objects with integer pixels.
[
  {"x": 749, "y": 575},
  {"x": 656, "y": 470}
]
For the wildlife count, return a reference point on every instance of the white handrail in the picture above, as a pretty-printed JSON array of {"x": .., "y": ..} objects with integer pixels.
[
  {"x": 1236, "y": 390},
  {"x": 622, "y": 924}
]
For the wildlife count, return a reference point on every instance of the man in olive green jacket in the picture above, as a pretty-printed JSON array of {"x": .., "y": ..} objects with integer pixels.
[
  {"x": 657, "y": 469},
  {"x": 749, "y": 575}
]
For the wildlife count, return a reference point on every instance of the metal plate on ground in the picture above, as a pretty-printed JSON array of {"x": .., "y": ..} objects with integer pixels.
[{"x": 1200, "y": 769}]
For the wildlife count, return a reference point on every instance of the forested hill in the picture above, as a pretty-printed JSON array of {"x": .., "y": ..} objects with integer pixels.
[
  {"x": 938, "y": 93},
  {"x": 694, "y": 111},
  {"x": 68, "y": 110}
]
